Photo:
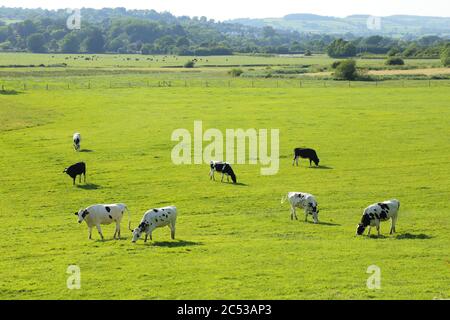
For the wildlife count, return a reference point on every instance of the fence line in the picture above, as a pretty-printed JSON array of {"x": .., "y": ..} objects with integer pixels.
[{"x": 18, "y": 85}]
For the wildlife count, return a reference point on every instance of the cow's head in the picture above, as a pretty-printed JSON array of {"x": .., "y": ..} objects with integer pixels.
[
  {"x": 138, "y": 231},
  {"x": 365, "y": 221},
  {"x": 312, "y": 207},
  {"x": 81, "y": 215},
  {"x": 316, "y": 161},
  {"x": 360, "y": 229}
]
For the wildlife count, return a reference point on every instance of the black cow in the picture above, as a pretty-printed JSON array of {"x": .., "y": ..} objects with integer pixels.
[
  {"x": 76, "y": 169},
  {"x": 306, "y": 153},
  {"x": 224, "y": 168}
]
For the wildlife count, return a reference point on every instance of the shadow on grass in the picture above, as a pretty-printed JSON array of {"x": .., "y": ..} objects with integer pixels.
[
  {"x": 86, "y": 150},
  {"x": 9, "y": 92},
  {"x": 331, "y": 224},
  {"x": 107, "y": 239},
  {"x": 421, "y": 236},
  {"x": 175, "y": 243},
  {"x": 321, "y": 167},
  {"x": 241, "y": 184},
  {"x": 88, "y": 186}
]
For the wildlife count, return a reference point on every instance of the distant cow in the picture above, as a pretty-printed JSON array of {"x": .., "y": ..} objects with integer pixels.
[
  {"x": 156, "y": 218},
  {"x": 76, "y": 169},
  {"x": 224, "y": 168},
  {"x": 305, "y": 201},
  {"x": 98, "y": 214},
  {"x": 306, "y": 153},
  {"x": 76, "y": 141},
  {"x": 377, "y": 212}
]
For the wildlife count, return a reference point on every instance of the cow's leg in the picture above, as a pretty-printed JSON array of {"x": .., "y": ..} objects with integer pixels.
[
  {"x": 100, "y": 231},
  {"x": 310, "y": 162},
  {"x": 292, "y": 213},
  {"x": 393, "y": 221},
  {"x": 368, "y": 233},
  {"x": 74, "y": 180},
  {"x": 117, "y": 229},
  {"x": 80, "y": 177},
  {"x": 172, "y": 231},
  {"x": 222, "y": 178},
  {"x": 146, "y": 236},
  {"x": 228, "y": 178},
  {"x": 84, "y": 174},
  {"x": 90, "y": 233},
  {"x": 295, "y": 213},
  {"x": 296, "y": 160},
  {"x": 293, "y": 161},
  {"x": 306, "y": 216}
]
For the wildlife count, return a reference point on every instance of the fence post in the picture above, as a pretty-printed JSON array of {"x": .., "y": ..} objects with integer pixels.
[
  {"x": 3, "y": 87},
  {"x": 24, "y": 87},
  {"x": 47, "y": 86},
  {"x": 429, "y": 83},
  {"x": 349, "y": 84}
]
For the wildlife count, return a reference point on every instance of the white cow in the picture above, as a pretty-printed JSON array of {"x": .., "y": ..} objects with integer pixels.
[
  {"x": 76, "y": 141},
  {"x": 156, "y": 218},
  {"x": 305, "y": 201},
  {"x": 377, "y": 212},
  {"x": 98, "y": 214}
]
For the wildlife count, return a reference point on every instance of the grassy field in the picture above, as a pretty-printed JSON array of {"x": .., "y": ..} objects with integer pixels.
[{"x": 233, "y": 241}]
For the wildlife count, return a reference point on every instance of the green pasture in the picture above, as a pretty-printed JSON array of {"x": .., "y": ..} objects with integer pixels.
[{"x": 232, "y": 241}]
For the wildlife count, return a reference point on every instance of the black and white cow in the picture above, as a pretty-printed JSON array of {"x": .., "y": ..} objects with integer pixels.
[
  {"x": 303, "y": 200},
  {"x": 306, "y": 153},
  {"x": 224, "y": 168},
  {"x": 98, "y": 214},
  {"x": 377, "y": 212},
  {"x": 76, "y": 141},
  {"x": 156, "y": 218},
  {"x": 76, "y": 169}
]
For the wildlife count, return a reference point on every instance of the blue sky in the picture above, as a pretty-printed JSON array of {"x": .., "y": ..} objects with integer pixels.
[{"x": 229, "y": 9}]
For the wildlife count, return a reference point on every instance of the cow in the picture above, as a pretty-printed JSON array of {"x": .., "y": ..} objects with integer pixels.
[
  {"x": 76, "y": 141},
  {"x": 156, "y": 218},
  {"x": 306, "y": 153},
  {"x": 98, "y": 214},
  {"x": 302, "y": 200},
  {"x": 224, "y": 168},
  {"x": 377, "y": 212},
  {"x": 76, "y": 169}
]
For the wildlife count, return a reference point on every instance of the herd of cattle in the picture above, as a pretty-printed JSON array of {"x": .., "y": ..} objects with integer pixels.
[{"x": 105, "y": 214}]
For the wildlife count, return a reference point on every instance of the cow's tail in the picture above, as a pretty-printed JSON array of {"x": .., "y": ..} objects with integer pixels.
[{"x": 283, "y": 199}]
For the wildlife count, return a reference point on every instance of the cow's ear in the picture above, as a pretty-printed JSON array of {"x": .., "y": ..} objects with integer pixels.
[
  {"x": 76, "y": 213},
  {"x": 86, "y": 212}
]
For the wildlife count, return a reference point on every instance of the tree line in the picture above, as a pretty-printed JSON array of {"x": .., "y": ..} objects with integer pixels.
[{"x": 117, "y": 30}]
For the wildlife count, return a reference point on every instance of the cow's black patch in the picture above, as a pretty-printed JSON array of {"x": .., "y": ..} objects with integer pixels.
[
  {"x": 365, "y": 221},
  {"x": 85, "y": 213},
  {"x": 110, "y": 217},
  {"x": 155, "y": 210},
  {"x": 383, "y": 215},
  {"x": 384, "y": 206},
  {"x": 108, "y": 209}
]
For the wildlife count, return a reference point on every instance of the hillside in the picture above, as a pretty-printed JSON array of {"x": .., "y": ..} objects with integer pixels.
[{"x": 398, "y": 25}]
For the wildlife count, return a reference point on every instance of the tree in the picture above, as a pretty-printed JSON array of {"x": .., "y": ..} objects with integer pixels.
[
  {"x": 445, "y": 56},
  {"x": 394, "y": 61},
  {"x": 95, "y": 42},
  {"x": 36, "y": 43},
  {"x": 189, "y": 64},
  {"x": 346, "y": 70},
  {"x": 340, "y": 49},
  {"x": 70, "y": 43}
]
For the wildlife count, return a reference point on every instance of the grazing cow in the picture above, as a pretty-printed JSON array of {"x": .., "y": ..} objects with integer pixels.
[
  {"x": 76, "y": 169},
  {"x": 377, "y": 212},
  {"x": 224, "y": 168},
  {"x": 306, "y": 153},
  {"x": 305, "y": 201},
  {"x": 76, "y": 141},
  {"x": 156, "y": 218},
  {"x": 98, "y": 214}
]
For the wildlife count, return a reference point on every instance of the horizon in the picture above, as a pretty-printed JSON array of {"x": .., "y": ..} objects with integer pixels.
[{"x": 345, "y": 8}]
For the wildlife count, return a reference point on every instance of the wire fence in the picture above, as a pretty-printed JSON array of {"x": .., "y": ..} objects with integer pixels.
[{"x": 85, "y": 84}]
